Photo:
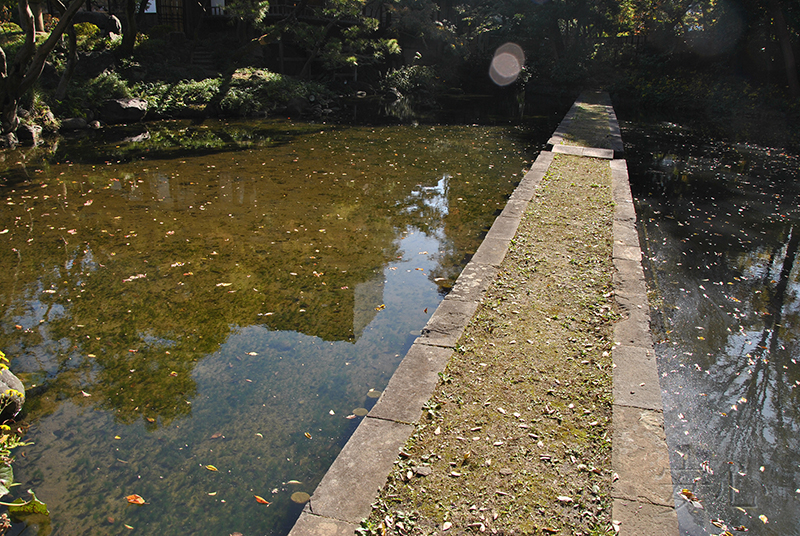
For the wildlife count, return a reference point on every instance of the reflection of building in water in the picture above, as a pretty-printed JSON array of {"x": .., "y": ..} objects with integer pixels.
[
  {"x": 367, "y": 299},
  {"x": 435, "y": 197}
]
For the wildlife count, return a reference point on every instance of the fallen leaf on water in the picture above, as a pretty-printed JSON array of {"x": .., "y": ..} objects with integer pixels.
[
  {"x": 211, "y": 468},
  {"x": 261, "y": 500},
  {"x": 307, "y": 435},
  {"x": 692, "y": 498},
  {"x": 381, "y": 307},
  {"x": 212, "y": 493},
  {"x": 127, "y": 526},
  {"x": 135, "y": 499}
]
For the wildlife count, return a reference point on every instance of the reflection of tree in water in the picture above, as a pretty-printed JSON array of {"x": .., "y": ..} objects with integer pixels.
[
  {"x": 241, "y": 289},
  {"x": 151, "y": 264},
  {"x": 721, "y": 252}
]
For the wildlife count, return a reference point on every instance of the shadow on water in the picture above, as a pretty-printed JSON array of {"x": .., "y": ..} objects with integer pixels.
[
  {"x": 203, "y": 329},
  {"x": 720, "y": 231}
]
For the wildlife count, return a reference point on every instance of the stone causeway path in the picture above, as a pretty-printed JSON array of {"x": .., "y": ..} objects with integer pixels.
[{"x": 642, "y": 488}]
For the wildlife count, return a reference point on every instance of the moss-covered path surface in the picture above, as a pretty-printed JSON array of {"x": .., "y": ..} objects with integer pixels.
[{"x": 502, "y": 411}]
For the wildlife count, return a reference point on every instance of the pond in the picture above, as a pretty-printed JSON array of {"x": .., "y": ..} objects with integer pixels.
[
  {"x": 720, "y": 228},
  {"x": 203, "y": 312}
]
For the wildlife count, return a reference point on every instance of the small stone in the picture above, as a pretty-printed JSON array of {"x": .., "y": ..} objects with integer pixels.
[{"x": 423, "y": 470}]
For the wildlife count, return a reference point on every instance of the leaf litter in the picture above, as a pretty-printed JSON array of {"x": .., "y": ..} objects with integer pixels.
[{"x": 517, "y": 438}]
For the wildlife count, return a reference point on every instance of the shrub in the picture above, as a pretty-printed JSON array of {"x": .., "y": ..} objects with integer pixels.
[
  {"x": 411, "y": 78},
  {"x": 89, "y": 94},
  {"x": 168, "y": 99}
]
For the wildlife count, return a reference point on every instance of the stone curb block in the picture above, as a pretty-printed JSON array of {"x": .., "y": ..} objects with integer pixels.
[
  {"x": 592, "y": 152},
  {"x": 625, "y": 212},
  {"x": 638, "y": 518},
  {"x": 631, "y": 303},
  {"x": 447, "y": 323},
  {"x": 412, "y": 384},
  {"x": 492, "y": 251},
  {"x": 627, "y": 253},
  {"x": 625, "y": 233},
  {"x": 629, "y": 275},
  {"x": 634, "y": 328},
  {"x": 515, "y": 208},
  {"x": 473, "y": 282},
  {"x": 504, "y": 228},
  {"x": 312, "y": 525},
  {"x": 530, "y": 182},
  {"x": 640, "y": 460},
  {"x": 348, "y": 488},
  {"x": 635, "y": 378}
]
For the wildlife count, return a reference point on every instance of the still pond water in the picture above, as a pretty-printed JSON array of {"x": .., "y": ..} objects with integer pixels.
[
  {"x": 720, "y": 229},
  {"x": 201, "y": 315}
]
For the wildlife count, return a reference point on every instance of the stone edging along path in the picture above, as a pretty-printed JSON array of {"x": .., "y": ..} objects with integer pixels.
[{"x": 642, "y": 489}]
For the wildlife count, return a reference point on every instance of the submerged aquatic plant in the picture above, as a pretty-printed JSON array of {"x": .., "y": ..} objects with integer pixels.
[{"x": 10, "y": 440}]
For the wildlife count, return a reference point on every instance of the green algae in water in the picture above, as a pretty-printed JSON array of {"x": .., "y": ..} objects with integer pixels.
[{"x": 217, "y": 307}]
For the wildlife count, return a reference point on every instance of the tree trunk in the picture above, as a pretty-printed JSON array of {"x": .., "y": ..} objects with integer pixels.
[
  {"x": 72, "y": 60},
  {"x": 786, "y": 48},
  {"x": 18, "y": 77},
  {"x": 131, "y": 29}
]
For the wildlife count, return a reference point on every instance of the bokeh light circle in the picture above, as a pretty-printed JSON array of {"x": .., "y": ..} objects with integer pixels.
[{"x": 507, "y": 64}]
